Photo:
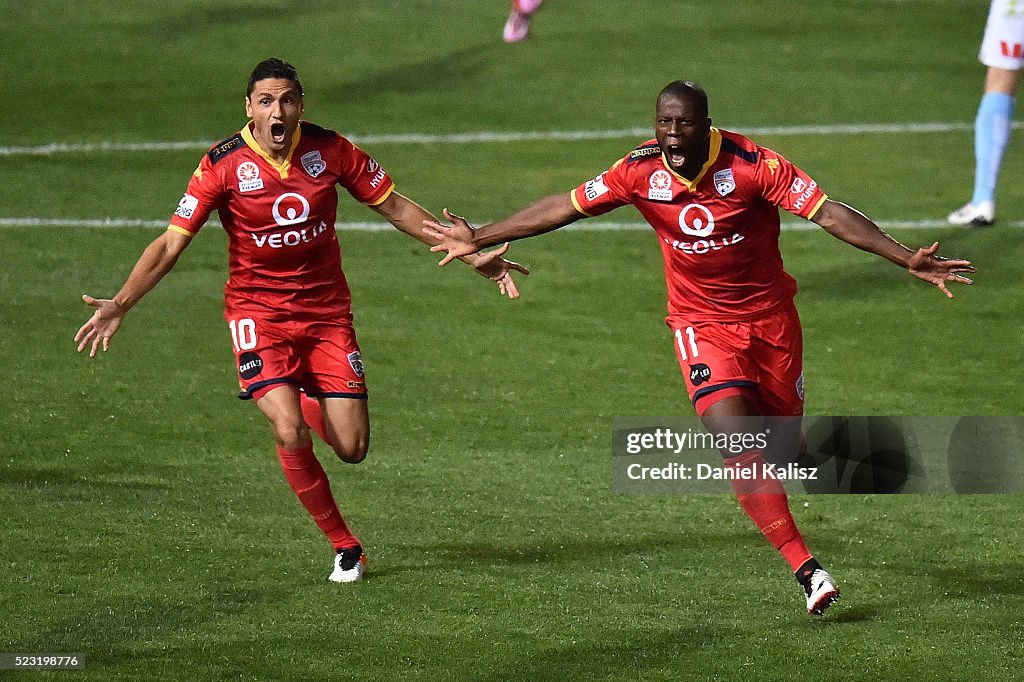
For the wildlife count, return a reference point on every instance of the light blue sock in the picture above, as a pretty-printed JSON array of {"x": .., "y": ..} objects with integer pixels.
[{"x": 991, "y": 133}]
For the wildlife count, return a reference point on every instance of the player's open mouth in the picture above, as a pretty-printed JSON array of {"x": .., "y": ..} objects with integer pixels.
[
  {"x": 277, "y": 132},
  {"x": 675, "y": 155}
]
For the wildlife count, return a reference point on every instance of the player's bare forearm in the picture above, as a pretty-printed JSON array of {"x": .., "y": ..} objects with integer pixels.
[
  {"x": 156, "y": 261},
  {"x": 544, "y": 215},
  {"x": 411, "y": 218},
  {"x": 406, "y": 215},
  {"x": 461, "y": 239},
  {"x": 854, "y": 228}
]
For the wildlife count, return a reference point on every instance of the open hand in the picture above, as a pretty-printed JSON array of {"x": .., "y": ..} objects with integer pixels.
[
  {"x": 456, "y": 239},
  {"x": 924, "y": 264},
  {"x": 101, "y": 327},
  {"x": 491, "y": 265}
]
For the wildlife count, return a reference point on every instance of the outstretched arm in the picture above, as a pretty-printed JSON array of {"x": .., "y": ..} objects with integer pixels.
[
  {"x": 410, "y": 218},
  {"x": 544, "y": 215},
  {"x": 853, "y": 227},
  {"x": 155, "y": 262}
]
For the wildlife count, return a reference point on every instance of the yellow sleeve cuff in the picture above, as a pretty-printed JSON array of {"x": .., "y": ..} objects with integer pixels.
[
  {"x": 817, "y": 207},
  {"x": 576, "y": 204},
  {"x": 383, "y": 198}
]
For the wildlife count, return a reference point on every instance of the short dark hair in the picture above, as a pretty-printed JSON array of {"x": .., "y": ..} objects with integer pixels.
[
  {"x": 273, "y": 68},
  {"x": 686, "y": 90}
]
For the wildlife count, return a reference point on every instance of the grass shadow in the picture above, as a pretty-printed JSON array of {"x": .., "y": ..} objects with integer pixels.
[
  {"x": 981, "y": 580},
  {"x": 430, "y": 75},
  {"x": 38, "y": 477},
  {"x": 569, "y": 551}
]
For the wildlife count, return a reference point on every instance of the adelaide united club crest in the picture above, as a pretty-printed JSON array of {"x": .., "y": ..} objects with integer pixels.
[
  {"x": 724, "y": 181},
  {"x": 313, "y": 164}
]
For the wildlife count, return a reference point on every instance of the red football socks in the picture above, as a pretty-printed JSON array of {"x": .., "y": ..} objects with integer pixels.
[
  {"x": 764, "y": 500},
  {"x": 308, "y": 480},
  {"x": 313, "y": 415}
]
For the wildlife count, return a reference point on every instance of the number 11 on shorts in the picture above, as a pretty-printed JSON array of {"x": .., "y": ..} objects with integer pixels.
[{"x": 681, "y": 343}]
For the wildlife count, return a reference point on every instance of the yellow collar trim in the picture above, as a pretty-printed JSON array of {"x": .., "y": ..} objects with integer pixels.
[
  {"x": 281, "y": 168},
  {"x": 713, "y": 149}
]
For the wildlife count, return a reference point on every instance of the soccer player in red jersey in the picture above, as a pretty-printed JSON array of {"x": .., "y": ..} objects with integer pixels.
[
  {"x": 712, "y": 196},
  {"x": 287, "y": 304}
]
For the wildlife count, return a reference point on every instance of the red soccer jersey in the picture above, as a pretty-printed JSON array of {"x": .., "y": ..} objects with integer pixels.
[
  {"x": 719, "y": 234},
  {"x": 283, "y": 253}
]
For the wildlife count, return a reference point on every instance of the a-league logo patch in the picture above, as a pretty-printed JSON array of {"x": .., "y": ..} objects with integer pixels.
[
  {"x": 724, "y": 181},
  {"x": 800, "y": 386},
  {"x": 699, "y": 374},
  {"x": 356, "y": 361},
  {"x": 249, "y": 179},
  {"x": 660, "y": 184},
  {"x": 313, "y": 164}
]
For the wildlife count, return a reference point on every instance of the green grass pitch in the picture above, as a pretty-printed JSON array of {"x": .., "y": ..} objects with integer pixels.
[{"x": 147, "y": 524}]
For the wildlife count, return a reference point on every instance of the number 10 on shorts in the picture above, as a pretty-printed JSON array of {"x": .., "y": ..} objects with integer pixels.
[
  {"x": 691, "y": 341},
  {"x": 243, "y": 334}
]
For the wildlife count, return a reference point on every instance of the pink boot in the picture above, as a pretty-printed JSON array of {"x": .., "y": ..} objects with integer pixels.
[{"x": 518, "y": 25}]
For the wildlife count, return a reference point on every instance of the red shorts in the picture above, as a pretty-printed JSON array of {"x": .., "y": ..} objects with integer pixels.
[
  {"x": 322, "y": 358},
  {"x": 762, "y": 358}
]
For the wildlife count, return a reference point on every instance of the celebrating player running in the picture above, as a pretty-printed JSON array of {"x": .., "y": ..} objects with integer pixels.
[
  {"x": 712, "y": 196},
  {"x": 287, "y": 304}
]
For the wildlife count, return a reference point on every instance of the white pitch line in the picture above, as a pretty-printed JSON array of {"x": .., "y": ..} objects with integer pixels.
[
  {"x": 494, "y": 136},
  {"x": 583, "y": 225},
  {"x": 81, "y": 222}
]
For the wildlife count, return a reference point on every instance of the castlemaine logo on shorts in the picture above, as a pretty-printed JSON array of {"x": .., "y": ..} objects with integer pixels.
[{"x": 249, "y": 365}]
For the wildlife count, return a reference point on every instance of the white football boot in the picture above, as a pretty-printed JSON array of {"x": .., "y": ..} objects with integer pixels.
[
  {"x": 976, "y": 216},
  {"x": 822, "y": 592},
  {"x": 349, "y": 565}
]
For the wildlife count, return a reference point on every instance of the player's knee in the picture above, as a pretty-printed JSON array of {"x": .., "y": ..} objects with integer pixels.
[
  {"x": 291, "y": 434},
  {"x": 353, "y": 456},
  {"x": 352, "y": 450}
]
